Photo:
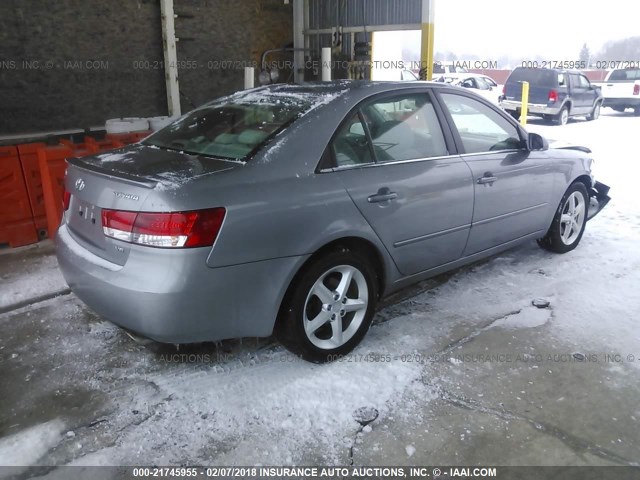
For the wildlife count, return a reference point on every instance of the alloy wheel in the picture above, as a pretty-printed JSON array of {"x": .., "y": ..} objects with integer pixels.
[
  {"x": 572, "y": 219},
  {"x": 336, "y": 307}
]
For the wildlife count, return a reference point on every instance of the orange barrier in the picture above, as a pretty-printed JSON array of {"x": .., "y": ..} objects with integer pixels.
[
  {"x": 128, "y": 138},
  {"x": 16, "y": 219},
  {"x": 102, "y": 145},
  {"x": 53, "y": 165},
  {"x": 28, "y": 153},
  {"x": 79, "y": 149}
]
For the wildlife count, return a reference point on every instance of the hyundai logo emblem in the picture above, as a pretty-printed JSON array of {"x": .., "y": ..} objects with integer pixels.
[{"x": 80, "y": 184}]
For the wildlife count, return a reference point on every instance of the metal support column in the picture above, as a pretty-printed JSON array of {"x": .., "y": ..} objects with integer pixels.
[
  {"x": 300, "y": 24},
  {"x": 170, "y": 57},
  {"x": 427, "y": 26}
]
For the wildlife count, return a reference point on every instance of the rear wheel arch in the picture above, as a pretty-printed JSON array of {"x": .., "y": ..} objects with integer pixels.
[
  {"x": 296, "y": 315},
  {"x": 362, "y": 247}
]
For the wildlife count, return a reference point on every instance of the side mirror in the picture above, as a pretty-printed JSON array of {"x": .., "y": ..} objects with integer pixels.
[{"x": 537, "y": 142}]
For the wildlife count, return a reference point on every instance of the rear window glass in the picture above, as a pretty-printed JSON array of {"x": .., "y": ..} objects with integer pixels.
[
  {"x": 234, "y": 129},
  {"x": 625, "y": 75},
  {"x": 537, "y": 76}
]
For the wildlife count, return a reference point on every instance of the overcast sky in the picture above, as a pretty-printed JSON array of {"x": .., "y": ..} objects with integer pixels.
[{"x": 554, "y": 28}]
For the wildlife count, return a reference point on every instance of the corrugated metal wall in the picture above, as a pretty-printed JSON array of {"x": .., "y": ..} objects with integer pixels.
[{"x": 354, "y": 13}]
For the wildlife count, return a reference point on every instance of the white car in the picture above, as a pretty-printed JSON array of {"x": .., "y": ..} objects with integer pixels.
[{"x": 481, "y": 84}]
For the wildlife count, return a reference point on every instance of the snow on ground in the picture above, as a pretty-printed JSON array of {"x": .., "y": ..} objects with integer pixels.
[
  {"x": 22, "y": 279},
  {"x": 271, "y": 407},
  {"x": 29, "y": 445},
  {"x": 264, "y": 406}
]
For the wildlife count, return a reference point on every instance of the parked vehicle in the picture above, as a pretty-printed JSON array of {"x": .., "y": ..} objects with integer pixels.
[
  {"x": 555, "y": 95},
  {"x": 408, "y": 76},
  {"x": 481, "y": 84},
  {"x": 447, "y": 68},
  {"x": 294, "y": 209},
  {"x": 621, "y": 90}
]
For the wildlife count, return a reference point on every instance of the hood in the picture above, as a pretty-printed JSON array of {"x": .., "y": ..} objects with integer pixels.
[{"x": 564, "y": 145}]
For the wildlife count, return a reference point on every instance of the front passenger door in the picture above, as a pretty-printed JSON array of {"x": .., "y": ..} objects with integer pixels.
[{"x": 512, "y": 185}]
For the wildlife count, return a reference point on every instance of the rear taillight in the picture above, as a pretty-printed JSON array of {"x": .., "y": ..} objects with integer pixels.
[
  {"x": 553, "y": 96},
  {"x": 66, "y": 199},
  {"x": 636, "y": 89},
  {"x": 197, "y": 228},
  {"x": 504, "y": 90}
]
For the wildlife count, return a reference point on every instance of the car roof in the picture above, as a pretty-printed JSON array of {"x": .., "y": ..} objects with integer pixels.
[
  {"x": 463, "y": 75},
  {"x": 332, "y": 88},
  {"x": 558, "y": 70},
  {"x": 337, "y": 86}
]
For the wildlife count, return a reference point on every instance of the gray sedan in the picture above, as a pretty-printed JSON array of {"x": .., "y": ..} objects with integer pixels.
[{"x": 293, "y": 209}]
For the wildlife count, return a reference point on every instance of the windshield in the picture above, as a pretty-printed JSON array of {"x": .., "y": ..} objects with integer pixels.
[{"x": 232, "y": 129}]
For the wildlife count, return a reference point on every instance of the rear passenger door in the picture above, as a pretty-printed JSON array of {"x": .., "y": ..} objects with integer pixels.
[
  {"x": 512, "y": 185},
  {"x": 393, "y": 158},
  {"x": 591, "y": 94},
  {"x": 580, "y": 94}
]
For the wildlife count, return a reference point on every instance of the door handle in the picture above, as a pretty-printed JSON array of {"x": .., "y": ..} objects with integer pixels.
[
  {"x": 383, "y": 195},
  {"x": 487, "y": 178}
]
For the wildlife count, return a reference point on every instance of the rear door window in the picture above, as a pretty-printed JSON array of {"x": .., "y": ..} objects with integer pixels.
[
  {"x": 351, "y": 145},
  {"x": 404, "y": 127},
  {"x": 392, "y": 129}
]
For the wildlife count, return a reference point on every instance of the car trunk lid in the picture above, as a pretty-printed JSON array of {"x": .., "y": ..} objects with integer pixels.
[{"x": 124, "y": 180}]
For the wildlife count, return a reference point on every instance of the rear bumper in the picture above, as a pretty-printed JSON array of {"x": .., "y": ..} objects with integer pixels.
[
  {"x": 599, "y": 199},
  {"x": 627, "y": 102},
  {"x": 533, "y": 108},
  {"x": 172, "y": 296}
]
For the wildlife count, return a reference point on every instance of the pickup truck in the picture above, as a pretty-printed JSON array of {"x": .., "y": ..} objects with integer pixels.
[
  {"x": 621, "y": 90},
  {"x": 555, "y": 95}
]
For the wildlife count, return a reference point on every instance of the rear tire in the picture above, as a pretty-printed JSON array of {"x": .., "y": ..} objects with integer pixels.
[
  {"x": 595, "y": 113},
  {"x": 569, "y": 221},
  {"x": 329, "y": 306},
  {"x": 636, "y": 111},
  {"x": 619, "y": 109},
  {"x": 563, "y": 116}
]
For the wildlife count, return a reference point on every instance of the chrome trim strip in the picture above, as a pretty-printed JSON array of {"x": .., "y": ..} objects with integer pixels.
[
  {"x": 493, "y": 152},
  {"x": 402, "y": 243},
  {"x": 382, "y": 164},
  {"x": 510, "y": 214}
]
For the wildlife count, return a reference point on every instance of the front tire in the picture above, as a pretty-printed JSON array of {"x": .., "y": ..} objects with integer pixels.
[
  {"x": 329, "y": 307},
  {"x": 569, "y": 222}
]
